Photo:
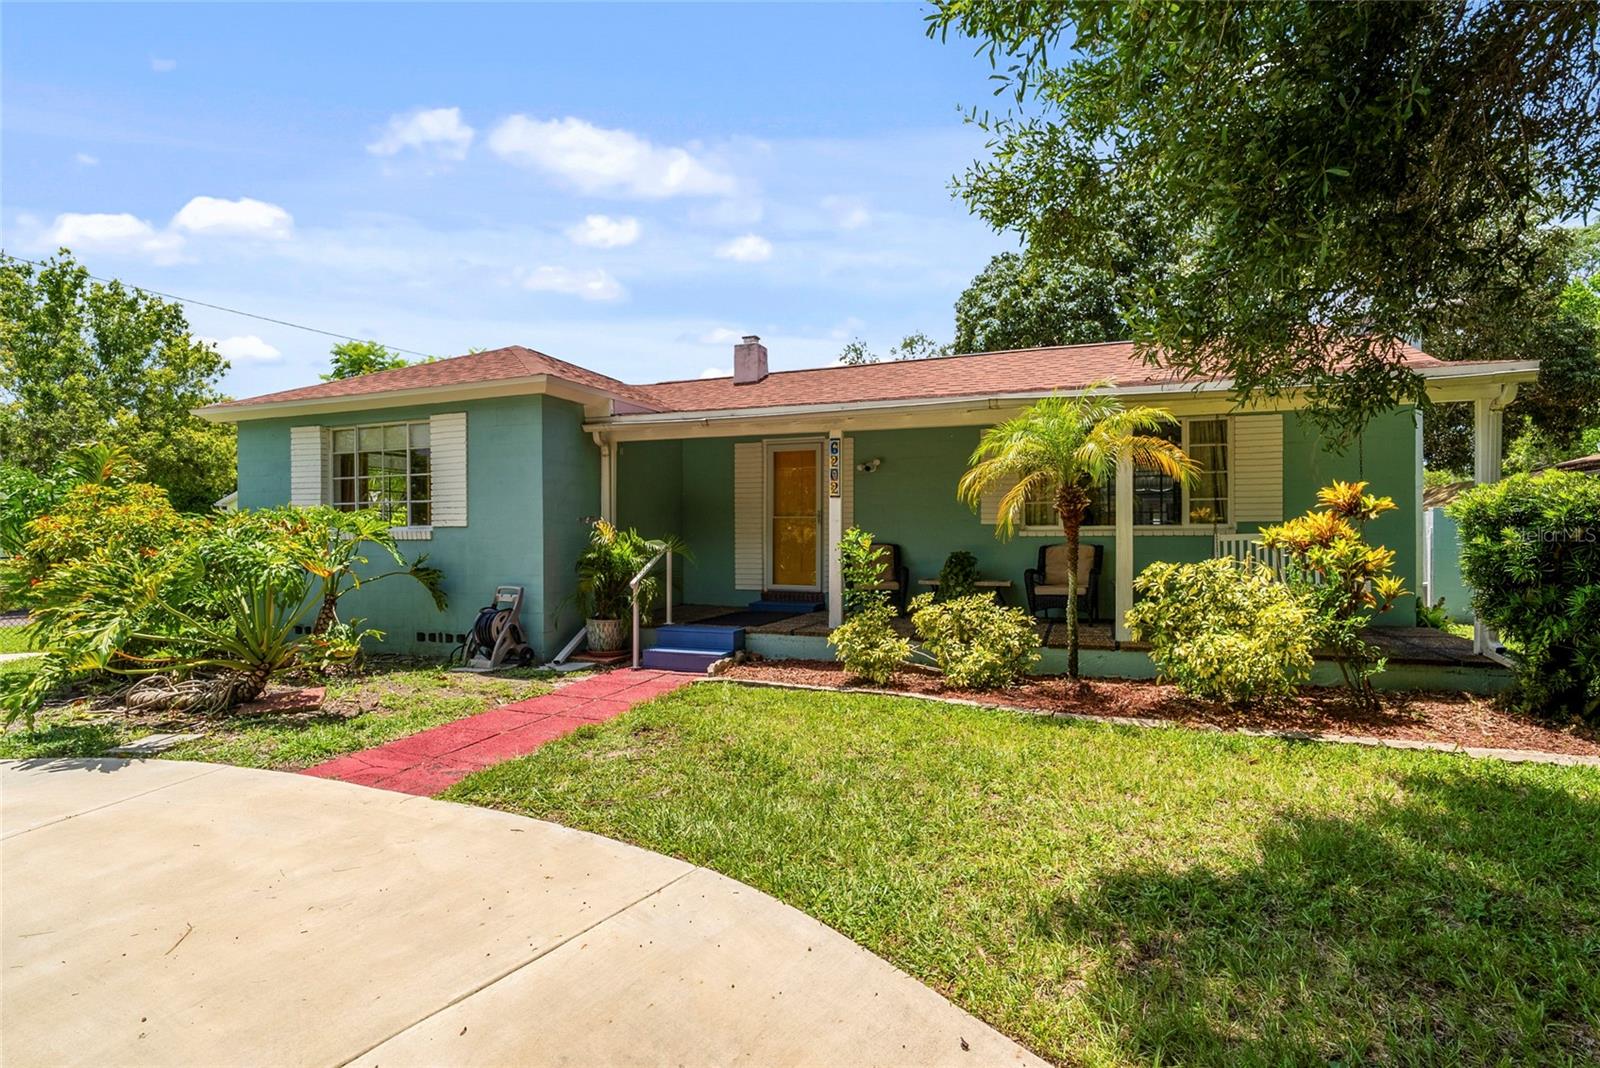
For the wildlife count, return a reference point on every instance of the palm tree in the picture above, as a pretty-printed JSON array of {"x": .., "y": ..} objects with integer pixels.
[{"x": 1066, "y": 446}]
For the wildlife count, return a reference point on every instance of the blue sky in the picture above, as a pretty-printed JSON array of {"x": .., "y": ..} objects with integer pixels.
[{"x": 626, "y": 186}]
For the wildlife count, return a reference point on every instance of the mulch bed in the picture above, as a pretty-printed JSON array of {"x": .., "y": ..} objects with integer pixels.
[{"x": 1460, "y": 719}]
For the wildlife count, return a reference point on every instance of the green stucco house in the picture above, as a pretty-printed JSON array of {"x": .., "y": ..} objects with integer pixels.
[{"x": 507, "y": 456}]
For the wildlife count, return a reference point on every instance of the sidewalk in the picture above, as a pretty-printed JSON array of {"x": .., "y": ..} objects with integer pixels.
[{"x": 428, "y": 762}]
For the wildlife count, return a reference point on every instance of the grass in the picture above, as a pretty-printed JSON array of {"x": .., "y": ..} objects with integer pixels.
[
  {"x": 14, "y": 640},
  {"x": 396, "y": 699},
  {"x": 1128, "y": 896}
]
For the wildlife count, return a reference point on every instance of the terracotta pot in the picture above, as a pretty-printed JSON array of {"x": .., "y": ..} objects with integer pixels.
[{"x": 604, "y": 634}]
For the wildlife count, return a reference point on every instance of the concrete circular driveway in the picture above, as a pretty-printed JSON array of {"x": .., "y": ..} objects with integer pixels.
[{"x": 157, "y": 912}]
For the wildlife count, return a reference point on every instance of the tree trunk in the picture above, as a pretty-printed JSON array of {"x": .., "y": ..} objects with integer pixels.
[
  {"x": 328, "y": 614},
  {"x": 1072, "y": 503}
]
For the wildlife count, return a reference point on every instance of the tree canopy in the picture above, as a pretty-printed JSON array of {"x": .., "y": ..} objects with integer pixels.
[
  {"x": 1336, "y": 177},
  {"x": 351, "y": 358},
  {"x": 82, "y": 360}
]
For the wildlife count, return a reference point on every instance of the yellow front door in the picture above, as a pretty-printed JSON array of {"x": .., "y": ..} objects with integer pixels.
[{"x": 795, "y": 517}]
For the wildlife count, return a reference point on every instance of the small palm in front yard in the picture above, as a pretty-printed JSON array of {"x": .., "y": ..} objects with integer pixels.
[
  {"x": 1063, "y": 448},
  {"x": 1115, "y": 896}
]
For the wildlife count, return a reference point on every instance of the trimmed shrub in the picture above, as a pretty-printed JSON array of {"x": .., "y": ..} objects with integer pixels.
[
  {"x": 868, "y": 646},
  {"x": 1530, "y": 550},
  {"x": 978, "y": 643},
  {"x": 1223, "y": 629}
]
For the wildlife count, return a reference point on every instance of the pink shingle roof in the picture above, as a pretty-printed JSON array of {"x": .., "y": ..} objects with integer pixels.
[{"x": 1039, "y": 370}]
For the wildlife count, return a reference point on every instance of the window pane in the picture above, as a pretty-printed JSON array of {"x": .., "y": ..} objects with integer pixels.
[
  {"x": 344, "y": 465},
  {"x": 419, "y": 488},
  {"x": 394, "y": 437},
  {"x": 1208, "y": 432},
  {"x": 421, "y": 461},
  {"x": 371, "y": 438},
  {"x": 421, "y": 514},
  {"x": 344, "y": 441},
  {"x": 344, "y": 492},
  {"x": 419, "y": 435}
]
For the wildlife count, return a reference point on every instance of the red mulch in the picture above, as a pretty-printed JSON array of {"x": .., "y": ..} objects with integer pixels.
[{"x": 1461, "y": 719}]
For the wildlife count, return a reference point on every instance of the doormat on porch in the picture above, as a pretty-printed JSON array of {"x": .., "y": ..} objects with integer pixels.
[{"x": 746, "y": 619}]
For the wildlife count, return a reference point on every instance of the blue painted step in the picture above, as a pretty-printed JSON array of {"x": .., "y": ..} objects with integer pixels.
[{"x": 687, "y": 647}]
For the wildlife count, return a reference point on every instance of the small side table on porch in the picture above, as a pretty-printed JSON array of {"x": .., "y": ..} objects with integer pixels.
[{"x": 996, "y": 587}]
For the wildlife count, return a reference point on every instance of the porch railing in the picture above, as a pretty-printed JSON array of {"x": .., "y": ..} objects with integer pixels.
[
  {"x": 633, "y": 586},
  {"x": 1250, "y": 547}
]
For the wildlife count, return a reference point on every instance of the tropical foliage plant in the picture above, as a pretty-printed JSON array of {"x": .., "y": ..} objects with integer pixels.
[
  {"x": 1060, "y": 448},
  {"x": 957, "y": 576},
  {"x": 1224, "y": 629},
  {"x": 859, "y": 565},
  {"x": 868, "y": 645},
  {"x": 606, "y": 569},
  {"x": 1346, "y": 580},
  {"x": 1530, "y": 551},
  {"x": 978, "y": 643},
  {"x": 205, "y": 609}
]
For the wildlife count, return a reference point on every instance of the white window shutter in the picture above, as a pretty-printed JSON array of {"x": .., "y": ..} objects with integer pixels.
[
  {"x": 447, "y": 435},
  {"x": 749, "y": 523},
  {"x": 1257, "y": 456},
  {"x": 308, "y": 465},
  {"x": 989, "y": 504},
  {"x": 847, "y": 481}
]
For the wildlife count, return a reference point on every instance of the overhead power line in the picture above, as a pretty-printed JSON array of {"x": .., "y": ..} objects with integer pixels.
[{"x": 236, "y": 311}]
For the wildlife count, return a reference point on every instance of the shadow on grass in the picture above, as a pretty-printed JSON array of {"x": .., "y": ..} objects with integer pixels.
[
  {"x": 1459, "y": 924},
  {"x": 58, "y": 740}
]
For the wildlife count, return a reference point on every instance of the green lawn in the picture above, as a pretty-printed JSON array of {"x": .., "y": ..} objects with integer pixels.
[
  {"x": 1124, "y": 896},
  {"x": 395, "y": 700},
  {"x": 14, "y": 640}
]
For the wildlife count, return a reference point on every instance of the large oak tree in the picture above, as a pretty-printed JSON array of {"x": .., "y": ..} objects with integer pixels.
[{"x": 1337, "y": 177}]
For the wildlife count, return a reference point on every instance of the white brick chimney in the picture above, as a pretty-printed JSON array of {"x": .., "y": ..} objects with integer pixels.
[{"x": 749, "y": 361}]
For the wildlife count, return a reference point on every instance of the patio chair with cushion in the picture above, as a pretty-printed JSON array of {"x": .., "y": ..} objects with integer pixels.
[
  {"x": 894, "y": 578},
  {"x": 1047, "y": 583}
]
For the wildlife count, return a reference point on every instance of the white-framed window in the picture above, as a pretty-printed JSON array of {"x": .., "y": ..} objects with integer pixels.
[
  {"x": 1159, "y": 501},
  {"x": 387, "y": 466}
]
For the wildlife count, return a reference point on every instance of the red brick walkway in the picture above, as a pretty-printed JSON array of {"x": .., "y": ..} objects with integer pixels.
[{"x": 428, "y": 762}]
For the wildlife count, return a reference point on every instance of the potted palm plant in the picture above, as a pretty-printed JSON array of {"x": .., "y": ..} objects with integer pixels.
[{"x": 605, "y": 570}]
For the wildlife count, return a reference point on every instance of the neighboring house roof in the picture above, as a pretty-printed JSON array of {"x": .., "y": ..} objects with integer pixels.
[
  {"x": 1589, "y": 465},
  {"x": 1018, "y": 371}
]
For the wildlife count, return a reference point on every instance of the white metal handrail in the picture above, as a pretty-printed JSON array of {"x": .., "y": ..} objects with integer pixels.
[{"x": 633, "y": 586}]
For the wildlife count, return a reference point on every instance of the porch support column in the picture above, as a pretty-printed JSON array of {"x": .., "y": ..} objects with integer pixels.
[
  {"x": 1486, "y": 431},
  {"x": 1124, "y": 548},
  {"x": 835, "y": 484}
]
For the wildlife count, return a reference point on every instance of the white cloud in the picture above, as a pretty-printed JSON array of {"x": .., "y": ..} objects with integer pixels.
[
  {"x": 847, "y": 213},
  {"x": 244, "y": 217},
  {"x": 720, "y": 335},
  {"x": 596, "y": 160},
  {"x": 246, "y": 348},
  {"x": 604, "y": 231},
  {"x": 750, "y": 248},
  {"x": 116, "y": 233},
  {"x": 86, "y": 160},
  {"x": 163, "y": 66},
  {"x": 717, "y": 372},
  {"x": 439, "y": 131},
  {"x": 592, "y": 284}
]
